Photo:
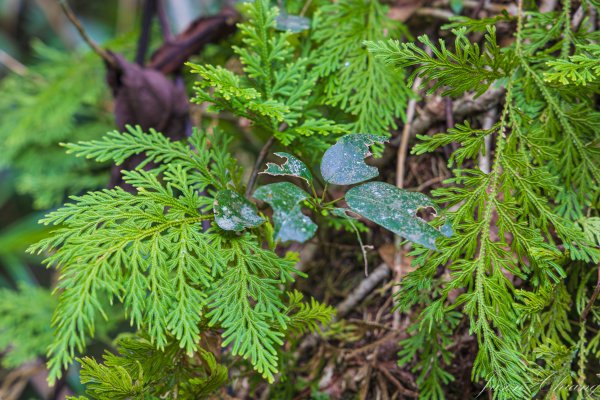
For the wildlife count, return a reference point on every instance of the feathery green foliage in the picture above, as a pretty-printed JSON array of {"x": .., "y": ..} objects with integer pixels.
[
  {"x": 188, "y": 258},
  {"x": 141, "y": 371},
  {"x": 307, "y": 317},
  {"x": 430, "y": 344},
  {"x": 507, "y": 224},
  {"x": 580, "y": 69},
  {"x": 149, "y": 250},
  {"x": 354, "y": 80},
  {"x": 52, "y": 102},
  {"x": 468, "y": 67},
  {"x": 25, "y": 331},
  {"x": 276, "y": 90}
]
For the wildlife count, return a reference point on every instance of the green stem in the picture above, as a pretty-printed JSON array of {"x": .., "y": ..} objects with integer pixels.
[
  {"x": 566, "y": 45},
  {"x": 324, "y": 192},
  {"x": 332, "y": 201}
]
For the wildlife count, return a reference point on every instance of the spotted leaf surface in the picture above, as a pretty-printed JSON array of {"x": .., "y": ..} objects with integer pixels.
[
  {"x": 291, "y": 167},
  {"x": 234, "y": 213},
  {"x": 343, "y": 163},
  {"x": 395, "y": 209},
  {"x": 285, "y": 199}
]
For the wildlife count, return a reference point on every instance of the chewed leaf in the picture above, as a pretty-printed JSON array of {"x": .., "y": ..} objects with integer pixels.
[
  {"x": 292, "y": 23},
  {"x": 343, "y": 163},
  {"x": 395, "y": 209},
  {"x": 235, "y": 213},
  {"x": 285, "y": 199},
  {"x": 291, "y": 167}
]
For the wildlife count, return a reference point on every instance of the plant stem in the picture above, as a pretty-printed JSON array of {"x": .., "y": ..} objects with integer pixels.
[
  {"x": 590, "y": 303},
  {"x": 144, "y": 39},
  {"x": 333, "y": 201},
  {"x": 259, "y": 161},
  {"x": 105, "y": 55}
]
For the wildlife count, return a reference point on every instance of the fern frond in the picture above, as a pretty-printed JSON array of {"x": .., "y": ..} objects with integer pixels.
[
  {"x": 469, "y": 67},
  {"x": 429, "y": 341},
  {"x": 142, "y": 371},
  {"x": 305, "y": 317},
  {"x": 25, "y": 331},
  {"x": 54, "y": 102},
  {"x": 355, "y": 80},
  {"x": 247, "y": 303},
  {"x": 276, "y": 89},
  {"x": 580, "y": 69}
]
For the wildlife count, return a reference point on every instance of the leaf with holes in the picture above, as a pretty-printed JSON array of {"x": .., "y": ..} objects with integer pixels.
[
  {"x": 395, "y": 209},
  {"x": 343, "y": 163},
  {"x": 234, "y": 213},
  {"x": 285, "y": 199},
  {"x": 291, "y": 167}
]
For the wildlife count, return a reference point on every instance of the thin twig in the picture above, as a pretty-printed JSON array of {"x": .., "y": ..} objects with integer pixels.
[
  {"x": 389, "y": 337},
  {"x": 57, "y": 22},
  {"x": 400, "y": 167},
  {"x": 305, "y": 8},
  {"x": 449, "y": 112},
  {"x": 460, "y": 108},
  {"x": 577, "y": 18},
  {"x": 434, "y": 13},
  {"x": 590, "y": 303},
  {"x": 144, "y": 39},
  {"x": 163, "y": 20},
  {"x": 365, "y": 287},
  {"x": 401, "y": 154},
  {"x": 427, "y": 183},
  {"x": 477, "y": 10},
  {"x": 371, "y": 324},
  {"x": 12, "y": 64},
  {"x": 105, "y": 55},
  {"x": 548, "y": 6},
  {"x": 484, "y": 157},
  {"x": 403, "y": 391},
  {"x": 259, "y": 161}
]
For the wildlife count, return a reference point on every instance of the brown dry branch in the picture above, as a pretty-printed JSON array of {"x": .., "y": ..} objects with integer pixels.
[
  {"x": 467, "y": 105},
  {"x": 365, "y": 287}
]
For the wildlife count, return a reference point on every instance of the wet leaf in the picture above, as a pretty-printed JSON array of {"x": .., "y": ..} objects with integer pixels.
[
  {"x": 343, "y": 163},
  {"x": 395, "y": 209},
  {"x": 285, "y": 198},
  {"x": 292, "y": 23},
  {"x": 291, "y": 167},
  {"x": 234, "y": 213}
]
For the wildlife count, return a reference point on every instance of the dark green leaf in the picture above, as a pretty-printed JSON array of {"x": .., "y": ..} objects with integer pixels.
[
  {"x": 343, "y": 163},
  {"x": 291, "y": 167},
  {"x": 395, "y": 209},
  {"x": 233, "y": 212},
  {"x": 285, "y": 199}
]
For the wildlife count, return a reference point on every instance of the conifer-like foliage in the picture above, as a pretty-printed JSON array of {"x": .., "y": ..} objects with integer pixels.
[
  {"x": 142, "y": 371},
  {"x": 354, "y": 80},
  {"x": 151, "y": 251},
  {"x": 190, "y": 261},
  {"x": 276, "y": 91},
  {"x": 25, "y": 330},
  {"x": 523, "y": 220},
  {"x": 51, "y": 103}
]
